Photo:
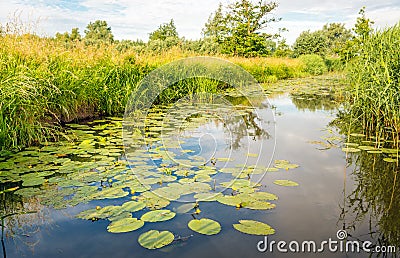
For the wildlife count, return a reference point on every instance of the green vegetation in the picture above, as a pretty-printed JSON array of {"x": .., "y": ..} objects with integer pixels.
[
  {"x": 239, "y": 30},
  {"x": 45, "y": 83},
  {"x": 314, "y": 64},
  {"x": 374, "y": 73}
]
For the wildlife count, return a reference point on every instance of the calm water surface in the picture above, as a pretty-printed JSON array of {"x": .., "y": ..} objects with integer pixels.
[{"x": 310, "y": 211}]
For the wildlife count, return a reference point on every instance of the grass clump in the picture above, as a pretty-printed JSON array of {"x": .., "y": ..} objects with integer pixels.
[
  {"x": 374, "y": 85},
  {"x": 313, "y": 64}
]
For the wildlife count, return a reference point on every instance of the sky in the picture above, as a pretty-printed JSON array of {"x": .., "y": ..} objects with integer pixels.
[{"x": 134, "y": 19}]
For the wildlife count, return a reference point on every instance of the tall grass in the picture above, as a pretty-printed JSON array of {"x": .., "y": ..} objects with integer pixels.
[
  {"x": 45, "y": 83},
  {"x": 375, "y": 91}
]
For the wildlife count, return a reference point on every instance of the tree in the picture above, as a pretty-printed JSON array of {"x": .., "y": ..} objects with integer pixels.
[
  {"x": 216, "y": 28},
  {"x": 310, "y": 43},
  {"x": 75, "y": 35},
  {"x": 363, "y": 25},
  {"x": 164, "y": 31},
  {"x": 362, "y": 30},
  {"x": 98, "y": 32},
  {"x": 283, "y": 49},
  {"x": 336, "y": 37},
  {"x": 330, "y": 40},
  {"x": 69, "y": 37},
  {"x": 241, "y": 29}
]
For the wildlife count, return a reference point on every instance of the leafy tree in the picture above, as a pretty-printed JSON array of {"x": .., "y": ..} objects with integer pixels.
[
  {"x": 69, "y": 37},
  {"x": 75, "y": 35},
  {"x": 362, "y": 30},
  {"x": 363, "y": 25},
  {"x": 240, "y": 30},
  {"x": 98, "y": 32},
  {"x": 283, "y": 49},
  {"x": 336, "y": 37},
  {"x": 328, "y": 41},
  {"x": 310, "y": 43},
  {"x": 216, "y": 28},
  {"x": 164, "y": 31}
]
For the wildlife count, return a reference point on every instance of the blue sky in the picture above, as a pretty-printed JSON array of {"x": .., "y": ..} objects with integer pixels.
[{"x": 134, "y": 19}]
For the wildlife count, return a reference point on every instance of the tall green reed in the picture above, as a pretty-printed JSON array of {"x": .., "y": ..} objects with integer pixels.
[{"x": 375, "y": 91}]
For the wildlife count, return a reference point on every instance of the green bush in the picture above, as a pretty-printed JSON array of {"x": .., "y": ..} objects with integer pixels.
[
  {"x": 334, "y": 64},
  {"x": 313, "y": 64}
]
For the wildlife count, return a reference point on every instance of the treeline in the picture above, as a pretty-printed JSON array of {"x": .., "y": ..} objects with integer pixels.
[{"x": 238, "y": 29}]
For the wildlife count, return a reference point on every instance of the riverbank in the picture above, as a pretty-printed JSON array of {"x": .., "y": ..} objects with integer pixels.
[{"x": 45, "y": 84}]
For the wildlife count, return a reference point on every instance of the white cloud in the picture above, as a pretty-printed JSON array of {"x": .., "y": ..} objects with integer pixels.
[{"x": 132, "y": 19}]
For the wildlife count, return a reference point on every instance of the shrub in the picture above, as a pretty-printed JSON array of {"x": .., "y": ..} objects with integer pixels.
[{"x": 313, "y": 64}]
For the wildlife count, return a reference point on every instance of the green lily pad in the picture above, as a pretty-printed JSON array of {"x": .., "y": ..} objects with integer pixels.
[
  {"x": 357, "y": 135},
  {"x": 158, "y": 215},
  {"x": 366, "y": 148},
  {"x": 184, "y": 208},
  {"x": 153, "y": 201},
  {"x": 224, "y": 159},
  {"x": 205, "y": 226},
  {"x": 390, "y": 160},
  {"x": 155, "y": 239},
  {"x": 350, "y": 149},
  {"x": 133, "y": 206},
  {"x": 252, "y": 155},
  {"x": 253, "y": 227},
  {"x": 207, "y": 197},
  {"x": 109, "y": 193},
  {"x": 125, "y": 225},
  {"x": 32, "y": 181},
  {"x": 285, "y": 183},
  {"x": 285, "y": 164}
]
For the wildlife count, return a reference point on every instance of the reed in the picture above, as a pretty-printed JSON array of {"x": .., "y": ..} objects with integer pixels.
[
  {"x": 374, "y": 74},
  {"x": 45, "y": 83}
]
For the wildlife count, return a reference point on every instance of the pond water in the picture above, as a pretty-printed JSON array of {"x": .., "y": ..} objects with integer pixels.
[{"x": 289, "y": 137}]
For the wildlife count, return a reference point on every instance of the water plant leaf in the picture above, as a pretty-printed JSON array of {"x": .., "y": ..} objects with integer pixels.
[
  {"x": 133, "y": 206},
  {"x": 252, "y": 155},
  {"x": 253, "y": 227},
  {"x": 153, "y": 201},
  {"x": 205, "y": 226},
  {"x": 155, "y": 239},
  {"x": 125, "y": 225},
  {"x": 285, "y": 183},
  {"x": 350, "y": 149},
  {"x": 32, "y": 180},
  {"x": 390, "y": 160},
  {"x": 184, "y": 208},
  {"x": 207, "y": 197},
  {"x": 109, "y": 193},
  {"x": 285, "y": 164},
  {"x": 158, "y": 215}
]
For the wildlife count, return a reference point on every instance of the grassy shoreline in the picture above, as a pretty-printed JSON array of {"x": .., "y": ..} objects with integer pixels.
[{"x": 44, "y": 83}]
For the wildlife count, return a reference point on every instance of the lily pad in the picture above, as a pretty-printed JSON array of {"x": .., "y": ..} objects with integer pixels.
[
  {"x": 285, "y": 183},
  {"x": 32, "y": 181},
  {"x": 390, "y": 160},
  {"x": 350, "y": 149},
  {"x": 133, "y": 206},
  {"x": 125, "y": 225},
  {"x": 184, "y": 208},
  {"x": 207, "y": 197},
  {"x": 253, "y": 227},
  {"x": 158, "y": 215},
  {"x": 155, "y": 239},
  {"x": 285, "y": 164},
  {"x": 205, "y": 226}
]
